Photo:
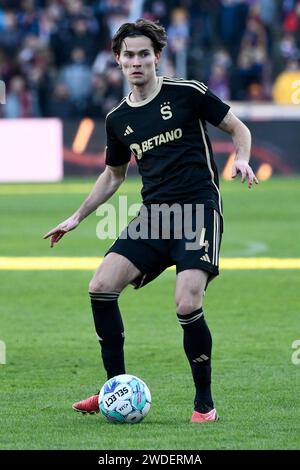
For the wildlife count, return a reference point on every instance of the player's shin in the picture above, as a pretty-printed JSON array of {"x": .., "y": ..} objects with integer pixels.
[
  {"x": 110, "y": 331},
  {"x": 197, "y": 343}
]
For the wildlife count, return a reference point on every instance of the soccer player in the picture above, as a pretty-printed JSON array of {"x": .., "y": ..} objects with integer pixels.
[{"x": 162, "y": 122}]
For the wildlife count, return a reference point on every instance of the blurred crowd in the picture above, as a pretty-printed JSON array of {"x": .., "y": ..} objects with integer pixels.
[{"x": 55, "y": 56}]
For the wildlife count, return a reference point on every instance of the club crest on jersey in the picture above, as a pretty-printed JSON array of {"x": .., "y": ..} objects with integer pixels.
[{"x": 165, "y": 109}]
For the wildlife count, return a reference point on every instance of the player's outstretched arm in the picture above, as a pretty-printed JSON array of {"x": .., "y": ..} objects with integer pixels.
[
  {"x": 242, "y": 141},
  {"x": 106, "y": 185}
]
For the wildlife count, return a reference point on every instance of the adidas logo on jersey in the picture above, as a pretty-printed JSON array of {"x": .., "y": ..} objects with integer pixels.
[
  {"x": 128, "y": 130},
  {"x": 205, "y": 258}
]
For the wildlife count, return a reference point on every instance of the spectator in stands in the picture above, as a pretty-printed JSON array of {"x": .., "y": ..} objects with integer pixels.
[
  {"x": 60, "y": 104},
  {"x": 10, "y": 37},
  {"x": 28, "y": 18},
  {"x": 219, "y": 82},
  {"x": 18, "y": 99},
  {"x": 76, "y": 76},
  {"x": 286, "y": 89},
  {"x": 82, "y": 38},
  {"x": 178, "y": 34},
  {"x": 178, "y": 31},
  {"x": 252, "y": 58},
  {"x": 232, "y": 23}
]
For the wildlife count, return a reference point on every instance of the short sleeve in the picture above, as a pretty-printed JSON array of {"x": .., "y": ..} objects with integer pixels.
[
  {"x": 208, "y": 106},
  {"x": 116, "y": 152}
]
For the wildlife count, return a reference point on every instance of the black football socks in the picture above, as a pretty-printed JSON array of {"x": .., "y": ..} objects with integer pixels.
[
  {"x": 197, "y": 344},
  {"x": 110, "y": 331}
]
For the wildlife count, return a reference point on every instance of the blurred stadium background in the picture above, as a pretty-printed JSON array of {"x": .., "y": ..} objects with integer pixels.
[
  {"x": 56, "y": 63},
  {"x": 60, "y": 81}
]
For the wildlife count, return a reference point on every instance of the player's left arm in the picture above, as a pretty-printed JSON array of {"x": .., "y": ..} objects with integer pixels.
[{"x": 241, "y": 137}]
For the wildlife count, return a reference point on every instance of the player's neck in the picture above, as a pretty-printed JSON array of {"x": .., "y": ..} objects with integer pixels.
[{"x": 142, "y": 92}]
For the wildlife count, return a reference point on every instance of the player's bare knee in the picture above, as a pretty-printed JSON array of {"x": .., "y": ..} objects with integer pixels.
[
  {"x": 189, "y": 299},
  {"x": 95, "y": 286},
  {"x": 103, "y": 285},
  {"x": 185, "y": 306}
]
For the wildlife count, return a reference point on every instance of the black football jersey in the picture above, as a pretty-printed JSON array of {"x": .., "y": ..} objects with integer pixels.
[{"x": 167, "y": 134}]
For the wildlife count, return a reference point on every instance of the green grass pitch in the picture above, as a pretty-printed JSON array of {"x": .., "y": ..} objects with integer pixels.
[{"x": 53, "y": 357}]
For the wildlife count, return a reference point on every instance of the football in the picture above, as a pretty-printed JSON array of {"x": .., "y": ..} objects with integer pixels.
[{"x": 124, "y": 399}]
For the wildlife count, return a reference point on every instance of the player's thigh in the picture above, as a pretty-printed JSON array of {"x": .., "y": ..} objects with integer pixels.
[
  {"x": 114, "y": 274},
  {"x": 190, "y": 287}
]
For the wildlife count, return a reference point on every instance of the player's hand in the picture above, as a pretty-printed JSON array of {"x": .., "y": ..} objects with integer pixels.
[
  {"x": 60, "y": 230},
  {"x": 243, "y": 167}
]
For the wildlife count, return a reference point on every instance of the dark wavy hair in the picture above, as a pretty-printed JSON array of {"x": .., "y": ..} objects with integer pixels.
[{"x": 141, "y": 27}]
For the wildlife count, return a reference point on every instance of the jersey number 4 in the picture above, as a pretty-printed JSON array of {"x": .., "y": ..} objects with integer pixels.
[{"x": 202, "y": 241}]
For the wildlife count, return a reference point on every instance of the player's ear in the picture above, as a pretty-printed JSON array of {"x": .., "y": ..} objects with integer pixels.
[
  {"x": 157, "y": 57},
  {"x": 117, "y": 58}
]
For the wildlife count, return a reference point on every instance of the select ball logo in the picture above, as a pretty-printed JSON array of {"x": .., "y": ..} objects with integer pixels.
[
  {"x": 121, "y": 392},
  {"x": 124, "y": 399}
]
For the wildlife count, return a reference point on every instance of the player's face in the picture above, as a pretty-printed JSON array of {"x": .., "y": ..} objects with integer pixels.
[{"x": 138, "y": 60}]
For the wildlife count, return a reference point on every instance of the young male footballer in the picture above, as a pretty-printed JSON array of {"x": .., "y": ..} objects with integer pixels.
[{"x": 162, "y": 122}]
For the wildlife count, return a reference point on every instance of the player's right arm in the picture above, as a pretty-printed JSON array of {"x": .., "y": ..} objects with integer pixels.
[{"x": 106, "y": 185}]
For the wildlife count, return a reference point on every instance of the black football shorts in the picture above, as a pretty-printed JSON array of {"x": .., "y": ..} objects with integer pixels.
[{"x": 189, "y": 237}]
